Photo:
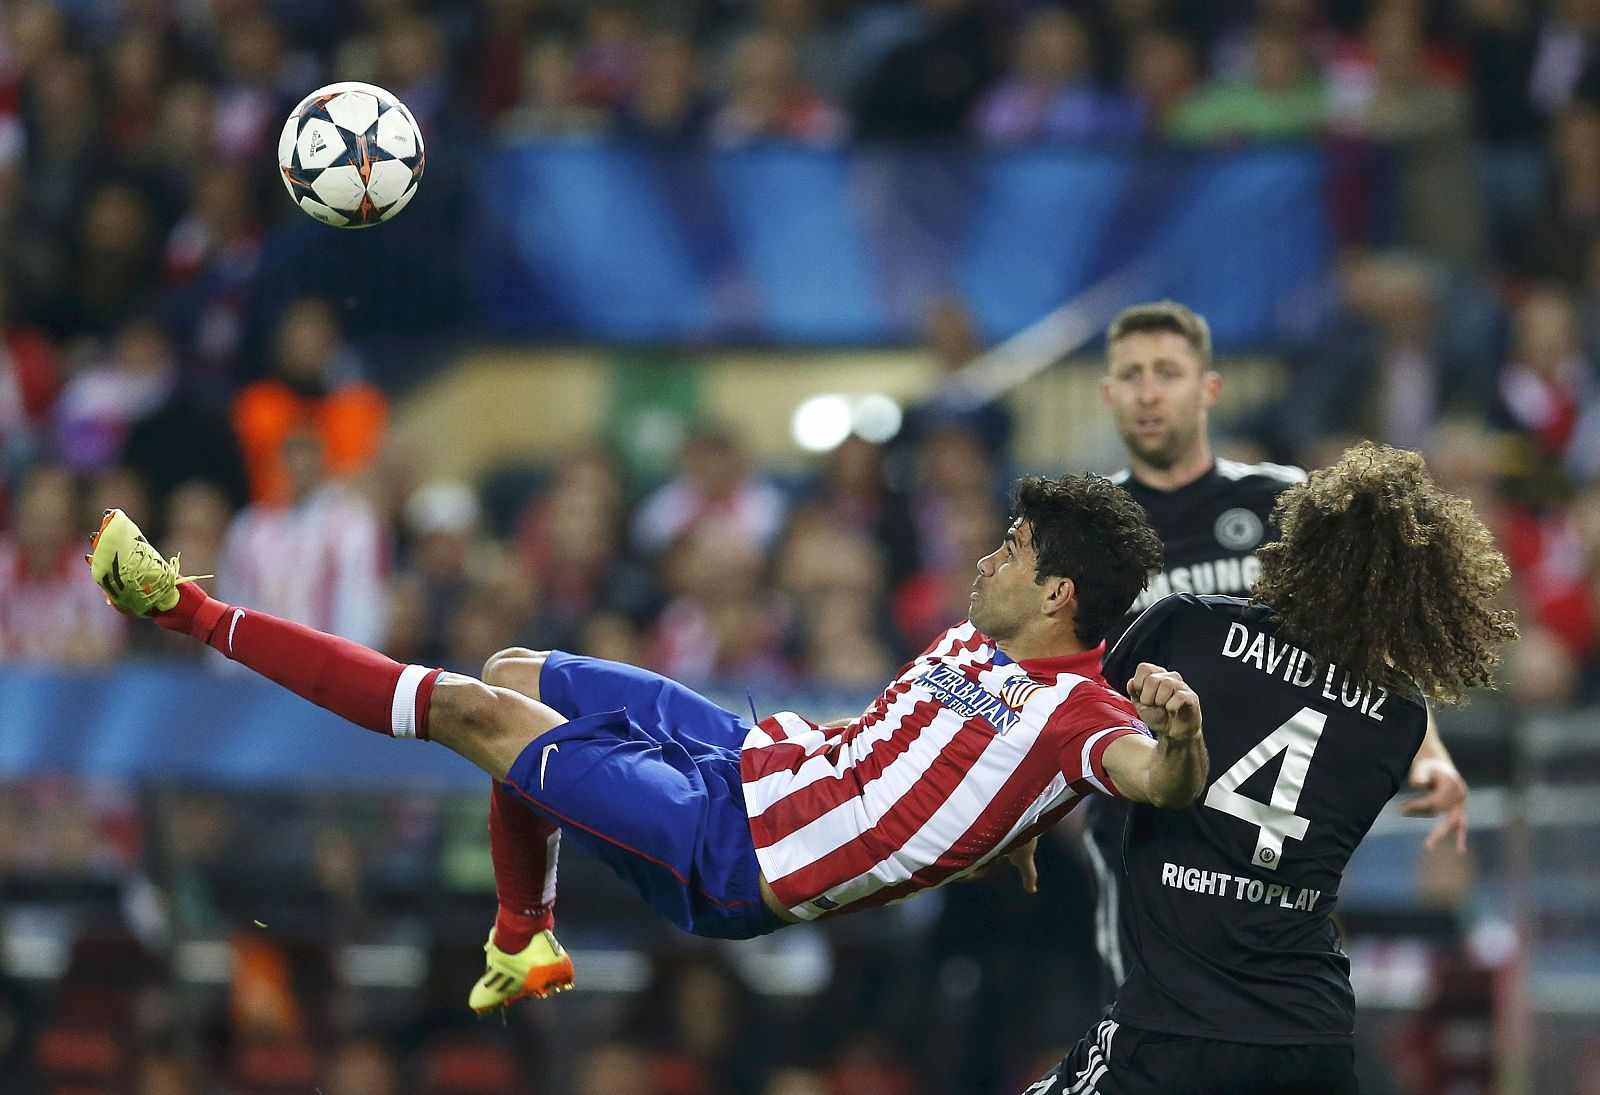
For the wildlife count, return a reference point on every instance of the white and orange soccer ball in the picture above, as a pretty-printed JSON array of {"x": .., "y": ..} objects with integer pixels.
[{"x": 351, "y": 155}]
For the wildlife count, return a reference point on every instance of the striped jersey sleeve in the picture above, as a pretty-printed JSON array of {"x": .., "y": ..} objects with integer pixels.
[{"x": 964, "y": 755}]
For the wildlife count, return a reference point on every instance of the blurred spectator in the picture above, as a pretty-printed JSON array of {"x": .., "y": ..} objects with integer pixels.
[
  {"x": 939, "y": 594},
  {"x": 455, "y": 584},
  {"x": 670, "y": 101},
  {"x": 185, "y": 134},
  {"x": 570, "y": 548},
  {"x": 184, "y": 440},
  {"x": 262, "y": 1004},
  {"x": 413, "y": 64},
  {"x": 117, "y": 260},
  {"x": 136, "y": 67},
  {"x": 115, "y": 486},
  {"x": 548, "y": 104},
  {"x": 362, "y": 1066},
  {"x": 49, "y": 613},
  {"x": 950, "y": 336},
  {"x": 63, "y": 163},
  {"x": 1281, "y": 99},
  {"x": 100, "y": 404},
  {"x": 1565, "y": 54},
  {"x": 314, "y": 387},
  {"x": 1541, "y": 672},
  {"x": 1388, "y": 367},
  {"x": 166, "y": 1073},
  {"x": 834, "y": 578},
  {"x": 796, "y": 1081},
  {"x": 814, "y": 38},
  {"x": 610, "y": 54},
  {"x": 1547, "y": 388},
  {"x": 954, "y": 476},
  {"x": 491, "y": 617},
  {"x": 1052, "y": 93},
  {"x": 612, "y": 636},
  {"x": 1500, "y": 39},
  {"x": 195, "y": 522},
  {"x": 319, "y": 558},
  {"x": 697, "y": 1019},
  {"x": 719, "y": 625},
  {"x": 853, "y": 489},
  {"x": 256, "y": 90},
  {"x": 1392, "y": 88},
  {"x": 30, "y": 378},
  {"x": 615, "y": 1068},
  {"x": 213, "y": 258},
  {"x": 713, "y": 495},
  {"x": 867, "y": 1067},
  {"x": 767, "y": 99},
  {"x": 1162, "y": 72},
  {"x": 498, "y": 52},
  {"x": 926, "y": 86},
  {"x": 1556, "y": 245}
]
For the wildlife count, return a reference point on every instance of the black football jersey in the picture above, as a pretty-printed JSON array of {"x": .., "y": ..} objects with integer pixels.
[
  {"x": 1228, "y": 904},
  {"x": 1210, "y": 529}
]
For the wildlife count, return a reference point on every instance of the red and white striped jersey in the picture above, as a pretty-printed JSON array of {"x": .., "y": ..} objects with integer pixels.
[{"x": 965, "y": 755}]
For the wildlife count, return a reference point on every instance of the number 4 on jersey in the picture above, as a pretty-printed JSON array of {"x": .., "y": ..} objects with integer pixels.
[{"x": 1277, "y": 821}]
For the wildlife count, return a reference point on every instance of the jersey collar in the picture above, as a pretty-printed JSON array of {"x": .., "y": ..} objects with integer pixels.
[
  {"x": 1133, "y": 482},
  {"x": 1085, "y": 664}
]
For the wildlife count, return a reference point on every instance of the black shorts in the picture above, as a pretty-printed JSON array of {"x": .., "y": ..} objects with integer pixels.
[{"x": 1119, "y": 1060}]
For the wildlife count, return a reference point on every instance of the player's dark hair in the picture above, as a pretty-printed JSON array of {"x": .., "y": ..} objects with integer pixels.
[
  {"x": 1164, "y": 315},
  {"x": 1384, "y": 574},
  {"x": 1086, "y": 528}
]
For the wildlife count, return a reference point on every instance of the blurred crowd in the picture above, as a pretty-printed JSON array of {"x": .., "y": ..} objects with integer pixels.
[
  {"x": 144, "y": 359},
  {"x": 147, "y": 362}
]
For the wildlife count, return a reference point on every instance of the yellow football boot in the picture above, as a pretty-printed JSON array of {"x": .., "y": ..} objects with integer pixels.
[
  {"x": 539, "y": 969},
  {"x": 136, "y": 579}
]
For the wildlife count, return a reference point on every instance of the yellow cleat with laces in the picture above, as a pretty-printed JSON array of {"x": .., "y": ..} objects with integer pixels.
[
  {"x": 540, "y": 969},
  {"x": 134, "y": 576}
]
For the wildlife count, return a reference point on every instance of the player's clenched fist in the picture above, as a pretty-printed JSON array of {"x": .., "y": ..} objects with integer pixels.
[{"x": 1167, "y": 705}]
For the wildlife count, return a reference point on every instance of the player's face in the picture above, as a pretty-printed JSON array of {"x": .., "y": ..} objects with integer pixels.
[
  {"x": 1158, "y": 391},
  {"x": 1005, "y": 594}
]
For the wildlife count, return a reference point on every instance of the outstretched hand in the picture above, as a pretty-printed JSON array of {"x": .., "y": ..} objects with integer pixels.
[
  {"x": 1166, "y": 703},
  {"x": 1021, "y": 858},
  {"x": 1444, "y": 795}
]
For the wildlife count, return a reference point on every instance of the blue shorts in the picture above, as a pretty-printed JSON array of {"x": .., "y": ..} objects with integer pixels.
[{"x": 645, "y": 777}]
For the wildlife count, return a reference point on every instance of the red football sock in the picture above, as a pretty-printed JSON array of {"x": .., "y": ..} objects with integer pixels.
[
  {"x": 523, "y": 845},
  {"x": 346, "y": 678}
]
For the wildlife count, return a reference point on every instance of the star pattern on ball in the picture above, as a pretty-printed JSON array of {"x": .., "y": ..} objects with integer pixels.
[{"x": 350, "y": 155}]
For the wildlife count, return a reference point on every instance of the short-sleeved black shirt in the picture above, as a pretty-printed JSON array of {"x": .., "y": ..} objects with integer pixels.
[
  {"x": 1227, "y": 904},
  {"x": 1209, "y": 529}
]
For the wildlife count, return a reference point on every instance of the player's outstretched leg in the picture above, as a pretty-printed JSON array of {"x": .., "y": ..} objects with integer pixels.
[
  {"x": 489, "y": 726},
  {"x": 522, "y": 957}
]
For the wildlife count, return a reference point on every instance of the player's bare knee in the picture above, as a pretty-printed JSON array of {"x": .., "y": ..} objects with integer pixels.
[
  {"x": 516, "y": 668},
  {"x": 463, "y": 705},
  {"x": 488, "y": 725}
]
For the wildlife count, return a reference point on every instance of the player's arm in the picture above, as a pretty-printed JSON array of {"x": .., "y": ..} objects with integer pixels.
[
  {"x": 1169, "y": 772},
  {"x": 1444, "y": 792}
]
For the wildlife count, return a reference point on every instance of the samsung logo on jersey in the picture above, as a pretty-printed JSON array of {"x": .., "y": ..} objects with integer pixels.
[
  {"x": 1228, "y": 576},
  {"x": 967, "y": 698}
]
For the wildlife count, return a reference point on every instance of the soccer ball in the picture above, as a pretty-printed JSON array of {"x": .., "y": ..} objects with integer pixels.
[{"x": 350, "y": 155}]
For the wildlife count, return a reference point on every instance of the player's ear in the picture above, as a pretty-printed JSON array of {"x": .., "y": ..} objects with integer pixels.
[
  {"x": 1105, "y": 390},
  {"x": 1060, "y": 595},
  {"x": 1211, "y": 387}
]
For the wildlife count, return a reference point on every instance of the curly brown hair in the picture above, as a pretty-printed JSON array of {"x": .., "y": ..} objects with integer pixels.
[{"x": 1386, "y": 575}]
